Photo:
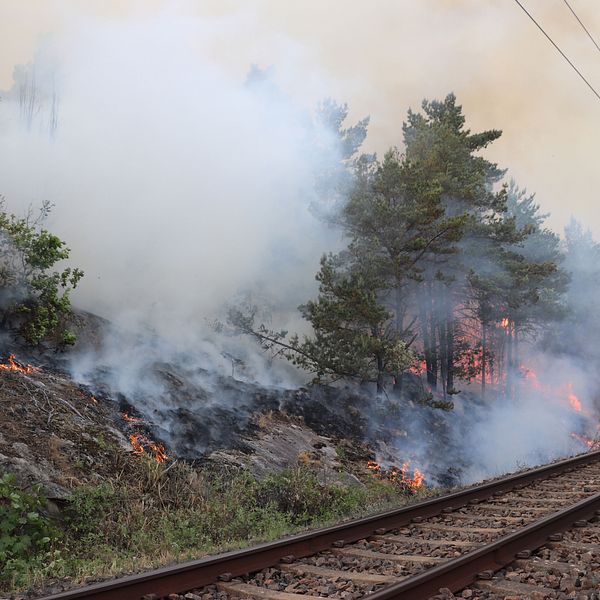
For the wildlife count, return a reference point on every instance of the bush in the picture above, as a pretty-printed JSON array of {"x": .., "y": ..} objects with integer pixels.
[
  {"x": 33, "y": 295},
  {"x": 25, "y": 534}
]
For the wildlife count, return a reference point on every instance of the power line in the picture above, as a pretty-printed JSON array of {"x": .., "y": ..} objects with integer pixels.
[
  {"x": 584, "y": 27},
  {"x": 561, "y": 52}
]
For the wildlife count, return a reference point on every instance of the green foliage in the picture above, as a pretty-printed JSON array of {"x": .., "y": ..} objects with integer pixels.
[
  {"x": 353, "y": 336},
  {"x": 185, "y": 513},
  {"x": 35, "y": 296},
  {"x": 25, "y": 534}
]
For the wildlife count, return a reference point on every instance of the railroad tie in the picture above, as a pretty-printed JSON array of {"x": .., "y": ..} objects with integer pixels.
[
  {"x": 499, "y": 508},
  {"x": 404, "y": 539},
  {"x": 575, "y": 546},
  {"x": 335, "y": 574},
  {"x": 461, "y": 516},
  {"x": 245, "y": 590},
  {"x": 539, "y": 564},
  {"x": 450, "y": 529},
  {"x": 535, "y": 500},
  {"x": 405, "y": 558},
  {"x": 502, "y": 586}
]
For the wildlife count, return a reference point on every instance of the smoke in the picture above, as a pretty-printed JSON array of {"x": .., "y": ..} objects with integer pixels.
[{"x": 175, "y": 184}]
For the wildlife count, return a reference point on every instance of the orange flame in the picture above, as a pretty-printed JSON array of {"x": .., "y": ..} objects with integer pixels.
[
  {"x": 127, "y": 417},
  {"x": 12, "y": 365},
  {"x": 159, "y": 452},
  {"x": 419, "y": 368},
  {"x": 504, "y": 323},
  {"x": 573, "y": 399},
  {"x": 590, "y": 443},
  {"x": 94, "y": 399},
  {"x": 139, "y": 441},
  {"x": 136, "y": 443},
  {"x": 564, "y": 390},
  {"x": 400, "y": 475}
]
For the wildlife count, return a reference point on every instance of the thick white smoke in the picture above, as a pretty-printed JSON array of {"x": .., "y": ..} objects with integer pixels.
[{"x": 175, "y": 185}]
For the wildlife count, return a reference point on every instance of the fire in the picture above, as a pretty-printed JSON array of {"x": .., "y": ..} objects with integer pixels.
[
  {"x": 504, "y": 323},
  {"x": 127, "y": 417},
  {"x": 573, "y": 399},
  {"x": 139, "y": 442},
  {"x": 590, "y": 443},
  {"x": 12, "y": 365},
  {"x": 399, "y": 475},
  {"x": 419, "y": 368},
  {"x": 562, "y": 392},
  {"x": 94, "y": 399},
  {"x": 159, "y": 452},
  {"x": 136, "y": 443}
]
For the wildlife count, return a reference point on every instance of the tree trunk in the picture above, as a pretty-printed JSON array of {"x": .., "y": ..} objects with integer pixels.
[
  {"x": 426, "y": 320},
  {"x": 450, "y": 353},
  {"x": 399, "y": 310},
  {"x": 443, "y": 354},
  {"x": 483, "y": 358},
  {"x": 509, "y": 359},
  {"x": 380, "y": 376},
  {"x": 433, "y": 353}
]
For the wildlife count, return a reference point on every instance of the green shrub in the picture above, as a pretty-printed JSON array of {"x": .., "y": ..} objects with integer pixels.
[
  {"x": 28, "y": 253},
  {"x": 25, "y": 534}
]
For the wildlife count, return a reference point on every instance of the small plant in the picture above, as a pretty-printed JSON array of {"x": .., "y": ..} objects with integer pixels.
[
  {"x": 25, "y": 534},
  {"x": 40, "y": 297}
]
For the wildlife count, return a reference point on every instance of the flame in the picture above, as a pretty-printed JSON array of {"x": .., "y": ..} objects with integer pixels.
[
  {"x": 374, "y": 466},
  {"x": 127, "y": 417},
  {"x": 504, "y": 323},
  {"x": 419, "y": 368},
  {"x": 561, "y": 392},
  {"x": 12, "y": 365},
  {"x": 94, "y": 399},
  {"x": 573, "y": 399},
  {"x": 159, "y": 452},
  {"x": 399, "y": 475},
  {"x": 136, "y": 443},
  {"x": 590, "y": 443},
  {"x": 139, "y": 442}
]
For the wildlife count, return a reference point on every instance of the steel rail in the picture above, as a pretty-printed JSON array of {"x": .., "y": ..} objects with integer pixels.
[
  {"x": 460, "y": 572},
  {"x": 194, "y": 574}
]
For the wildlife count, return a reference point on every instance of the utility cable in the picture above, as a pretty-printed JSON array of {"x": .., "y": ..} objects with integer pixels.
[
  {"x": 584, "y": 27},
  {"x": 561, "y": 52}
]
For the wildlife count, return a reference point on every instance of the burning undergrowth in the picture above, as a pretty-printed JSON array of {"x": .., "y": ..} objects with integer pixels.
[{"x": 189, "y": 408}]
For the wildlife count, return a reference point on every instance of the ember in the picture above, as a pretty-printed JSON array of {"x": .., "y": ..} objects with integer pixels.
[
  {"x": 139, "y": 442},
  {"x": 399, "y": 475},
  {"x": 12, "y": 365}
]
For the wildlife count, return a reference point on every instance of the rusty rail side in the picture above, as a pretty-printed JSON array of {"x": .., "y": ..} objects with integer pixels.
[
  {"x": 193, "y": 574},
  {"x": 460, "y": 572}
]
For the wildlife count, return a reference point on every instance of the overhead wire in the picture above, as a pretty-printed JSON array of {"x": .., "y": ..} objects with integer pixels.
[
  {"x": 584, "y": 27},
  {"x": 559, "y": 50}
]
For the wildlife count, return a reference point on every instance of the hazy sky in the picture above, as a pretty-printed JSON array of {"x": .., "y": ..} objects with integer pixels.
[{"x": 386, "y": 55}]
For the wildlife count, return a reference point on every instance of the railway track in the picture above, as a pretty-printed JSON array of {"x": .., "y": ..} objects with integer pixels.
[{"x": 530, "y": 535}]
